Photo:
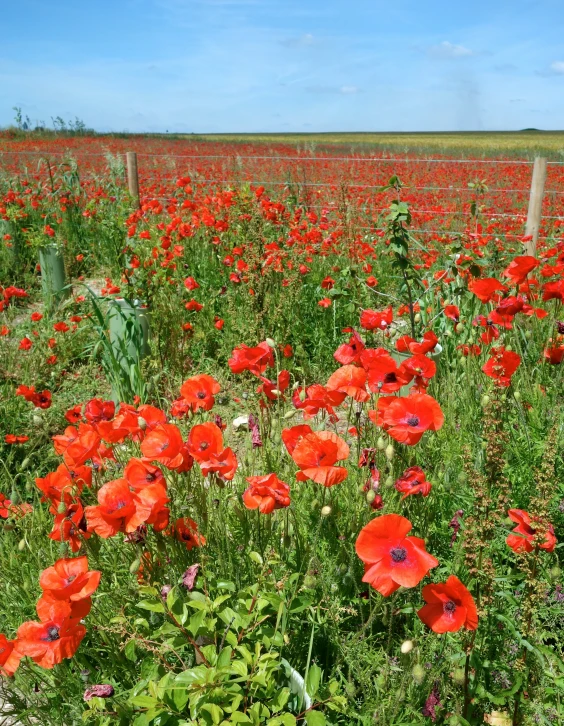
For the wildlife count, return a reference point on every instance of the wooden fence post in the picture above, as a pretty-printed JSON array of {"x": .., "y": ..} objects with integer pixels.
[
  {"x": 534, "y": 215},
  {"x": 133, "y": 176}
]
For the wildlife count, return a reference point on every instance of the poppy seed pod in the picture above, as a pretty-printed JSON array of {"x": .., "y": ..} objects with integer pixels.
[
  {"x": 270, "y": 343},
  {"x": 370, "y": 496},
  {"x": 417, "y": 317},
  {"x": 62, "y": 508},
  {"x": 25, "y": 463},
  {"x": 37, "y": 420},
  {"x": 389, "y": 481},
  {"x": 485, "y": 400},
  {"x": 459, "y": 327},
  {"x": 381, "y": 444},
  {"x": 326, "y": 510},
  {"x": 406, "y": 647},
  {"x": 290, "y": 414},
  {"x": 418, "y": 673},
  {"x": 21, "y": 545},
  {"x": 389, "y": 452}
]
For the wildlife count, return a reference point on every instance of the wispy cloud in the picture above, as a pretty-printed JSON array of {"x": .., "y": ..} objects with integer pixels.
[
  {"x": 304, "y": 41},
  {"x": 447, "y": 50},
  {"x": 557, "y": 67}
]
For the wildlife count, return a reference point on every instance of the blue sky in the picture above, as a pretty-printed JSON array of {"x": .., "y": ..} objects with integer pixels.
[{"x": 285, "y": 65}]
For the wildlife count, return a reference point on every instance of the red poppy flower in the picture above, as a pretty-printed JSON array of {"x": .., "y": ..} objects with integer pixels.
[
  {"x": 15, "y": 439},
  {"x": 554, "y": 354},
  {"x": 193, "y": 305},
  {"x": 121, "y": 510},
  {"x": 266, "y": 493},
  {"x": 42, "y": 399},
  {"x": 70, "y": 579},
  {"x": 5, "y": 506},
  {"x": 205, "y": 441},
  {"x": 50, "y": 641},
  {"x": 502, "y": 365},
  {"x": 74, "y": 414},
  {"x": 469, "y": 349},
  {"x": 324, "y": 302},
  {"x": 450, "y": 607},
  {"x": 273, "y": 390},
  {"x": 407, "y": 419},
  {"x": 351, "y": 381},
  {"x": 224, "y": 464},
  {"x": 97, "y": 410},
  {"x": 376, "y": 319},
  {"x": 427, "y": 344},
  {"x": 316, "y": 455},
  {"x": 70, "y": 526},
  {"x": 522, "y": 537},
  {"x": 413, "y": 481},
  {"x": 26, "y": 392},
  {"x": 163, "y": 444},
  {"x": 519, "y": 268},
  {"x": 199, "y": 391},
  {"x": 391, "y": 558},
  {"x": 553, "y": 291},
  {"x": 350, "y": 352},
  {"x": 418, "y": 366},
  {"x": 61, "y": 327},
  {"x": 452, "y": 312},
  {"x": 140, "y": 474},
  {"x": 36, "y": 317},
  {"x": 487, "y": 289},
  {"x": 63, "y": 484},
  {"x": 256, "y": 360},
  {"x": 186, "y": 530},
  {"x": 25, "y": 344},
  {"x": 9, "y": 656},
  {"x": 317, "y": 398},
  {"x": 292, "y": 436},
  {"x": 384, "y": 376}
]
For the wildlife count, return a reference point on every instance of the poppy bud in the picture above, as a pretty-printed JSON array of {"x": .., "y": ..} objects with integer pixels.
[
  {"x": 381, "y": 681},
  {"x": 389, "y": 452},
  {"x": 381, "y": 444},
  {"x": 508, "y": 347},
  {"x": 407, "y": 646},
  {"x": 418, "y": 673},
  {"x": 517, "y": 395},
  {"x": 370, "y": 496},
  {"x": 134, "y": 566},
  {"x": 326, "y": 511},
  {"x": 290, "y": 414},
  {"x": 417, "y": 317},
  {"x": 25, "y": 463},
  {"x": 165, "y": 589},
  {"x": 141, "y": 423},
  {"x": 276, "y": 392},
  {"x": 270, "y": 343},
  {"x": 302, "y": 395},
  {"x": 62, "y": 508},
  {"x": 462, "y": 361},
  {"x": 315, "y": 504},
  {"x": 555, "y": 573},
  {"x": 37, "y": 420},
  {"x": 389, "y": 481},
  {"x": 15, "y": 497},
  {"x": 458, "y": 676},
  {"x": 485, "y": 400},
  {"x": 459, "y": 327},
  {"x": 21, "y": 545}
]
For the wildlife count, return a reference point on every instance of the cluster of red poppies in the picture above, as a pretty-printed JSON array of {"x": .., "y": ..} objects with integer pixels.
[{"x": 66, "y": 599}]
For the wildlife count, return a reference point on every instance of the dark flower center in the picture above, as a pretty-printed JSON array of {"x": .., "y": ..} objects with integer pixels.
[
  {"x": 390, "y": 377},
  {"x": 201, "y": 394},
  {"x": 398, "y": 554},
  {"x": 413, "y": 421},
  {"x": 204, "y": 445},
  {"x": 52, "y": 634},
  {"x": 150, "y": 477},
  {"x": 449, "y": 607}
]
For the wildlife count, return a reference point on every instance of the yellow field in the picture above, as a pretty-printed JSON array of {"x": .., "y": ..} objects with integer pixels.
[{"x": 518, "y": 143}]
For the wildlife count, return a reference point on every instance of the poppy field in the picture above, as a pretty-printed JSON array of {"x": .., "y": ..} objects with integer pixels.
[{"x": 281, "y": 440}]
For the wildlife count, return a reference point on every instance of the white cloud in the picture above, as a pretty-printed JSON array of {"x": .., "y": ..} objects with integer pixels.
[
  {"x": 557, "y": 67},
  {"x": 449, "y": 50},
  {"x": 304, "y": 41},
  {"x": 348, "y": 89}
]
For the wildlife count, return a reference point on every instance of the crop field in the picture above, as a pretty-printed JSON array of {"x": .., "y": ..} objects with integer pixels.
[{"x": 281, "y": 437}]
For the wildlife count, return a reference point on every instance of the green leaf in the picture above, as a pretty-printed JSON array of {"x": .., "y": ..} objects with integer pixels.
[
  {"x": 313, "y": 679},
  {"x": 224, "y": 657},
  {"x": 239, "y": 717},
  {"x": 152, "y": 605},
  {"x": 143, "y": 701},
  {"x": 256, "y": 558},
  {"x": 214, "y": 710},
  {"x": 315, "y": 718},
  {"x": 129, "y": 651}
]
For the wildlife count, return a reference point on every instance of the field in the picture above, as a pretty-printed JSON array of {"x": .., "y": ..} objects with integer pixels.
[{"x": 281, "y": 441}]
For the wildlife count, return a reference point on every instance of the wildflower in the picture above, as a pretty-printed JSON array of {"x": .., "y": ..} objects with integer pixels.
[
  {"x": 502, "y": 365},
  {"x": 450, "y": 607},
  {"x": 70, "y": 526},
  {"x": 376, "y": 320},
  {"x": 97, "y": 410},
  {"x": 317, "y": 398},
  {"x": 487, "y": 289},
  {"x": 391, "y": 558},
  {"x": 519, "y": 268},
  {"x": 384, "y": 376},
  {"x": 100, "y": 691},
  {"x": 433, "y": 701},
  {"x": 256, "y": 360},
  {"x": 70, "y": 579},
  {"x": 351, "y": 381},
  {"x": 522, "y": 537},
  {"x": 413, "y": 481},
  {"x": 199, "y": 391},
  {"x": 316, "y": 454},
  {"x": 324, "y": 302},
  {"x": 186, "y": 530},
  {"x": 189, "y": 577},
  {"x": 407, "y": 419},
  {"x": 266, "y": 493},
  {"x": 56, "y": 637},
  {"x": 9, "y": 656},
  {"x": 164, "y": 444}
]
